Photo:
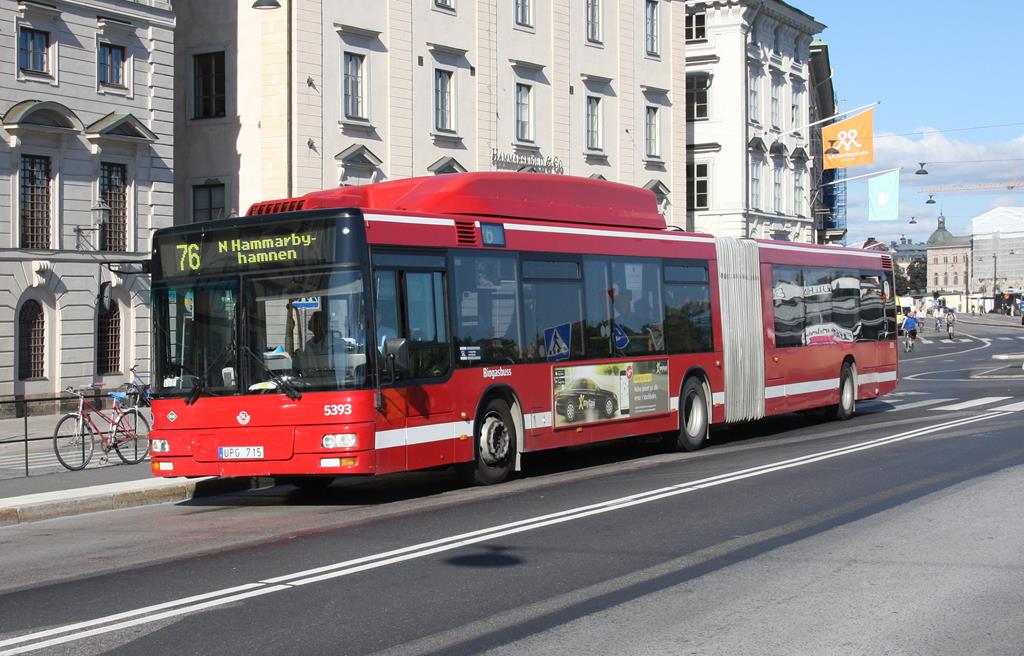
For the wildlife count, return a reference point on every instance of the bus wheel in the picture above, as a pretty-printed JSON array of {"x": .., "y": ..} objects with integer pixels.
[
  {"x": 847, "y": 395},
  {"x": 693, "y": 419},
  {"x": 495, "y": 446}
]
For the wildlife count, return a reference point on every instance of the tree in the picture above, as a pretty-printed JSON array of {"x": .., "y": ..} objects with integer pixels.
[
  {"x": 917, "y": 276},
  {"x": 902, "y": 283}
]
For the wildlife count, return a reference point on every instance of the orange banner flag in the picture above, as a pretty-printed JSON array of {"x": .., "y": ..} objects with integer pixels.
[{"x": 854, "y": 139}]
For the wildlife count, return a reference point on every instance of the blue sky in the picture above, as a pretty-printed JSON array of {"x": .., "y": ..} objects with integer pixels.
[{"x": 934, "y": 65}]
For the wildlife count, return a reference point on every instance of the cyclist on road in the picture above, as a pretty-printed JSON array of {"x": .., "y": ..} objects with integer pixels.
[
  {"x": 938, "y": 320},
  {"x": 950, "y": 321},
  {"x": 910, "y": 328}
]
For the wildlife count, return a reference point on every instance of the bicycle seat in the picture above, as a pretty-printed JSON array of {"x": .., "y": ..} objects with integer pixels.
[{"x": 117, "y": 396}]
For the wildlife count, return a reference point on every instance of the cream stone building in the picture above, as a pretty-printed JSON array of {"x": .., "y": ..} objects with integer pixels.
[
  {"x": 753, "y": 158},
  {"x": 85, "y": 158},
  {"x": 315, "y": 94}
]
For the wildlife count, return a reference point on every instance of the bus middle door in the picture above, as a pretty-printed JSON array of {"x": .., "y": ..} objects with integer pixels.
[{"x": 410, "y": 304}]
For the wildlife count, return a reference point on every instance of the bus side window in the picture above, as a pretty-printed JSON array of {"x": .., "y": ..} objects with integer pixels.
[
  {"x": 429, "y": 353},
  {"x": 687, "y": 297},
  {"x": 788, "y": 295},
  {"x": 485, "y": 325}
]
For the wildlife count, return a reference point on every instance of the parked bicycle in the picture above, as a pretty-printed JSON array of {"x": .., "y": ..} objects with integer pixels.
[
  {"x": 137, "y": 392},
  {"x": 75, "y": 437}
]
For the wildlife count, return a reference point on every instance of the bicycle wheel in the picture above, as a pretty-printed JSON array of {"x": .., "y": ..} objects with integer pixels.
[
  {"x": 73, "y": 441},
  {"x": 131, "y": 437}
]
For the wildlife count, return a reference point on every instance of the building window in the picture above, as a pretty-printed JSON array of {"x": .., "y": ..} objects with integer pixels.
[
  {"x": 108, "y": 341},
  {"x": 111, "y": 65},
  {"x": 776, "y": 101},
  {"x": 954, "y": 259},
  {"x": 696, "y": 186},
  {"x": 35, "y": 201},
  {"x": 594, "y": 20},
  {"x": 945, "y": 259},
  {"x": 355, "y": 105},
  {"x": 593, "y": 123},
  {"x": 524, "y": 111},
  {"x": 651, "y": 26},
  {"x": 696, "y": 26},
  {"x": 697, "y": 96},
  {"x": 798, "y": 192},
  {"x": 33, "y": 50},
  {"x": 936, "y": 280},
  {"x": 652, "y": 143},
  {"x": 755, "y": 183},
  {"x": 524, "y": 13},
  {"x": 754, "y": 98},
  {"x": 443, "y": 101},
  {"x": 207, "y": 202},
  {"x": 445, "y": 4},
  {"x": 796, "y": 109},
  {"x": 777, "y": 188},
  {"x": 209, "y": 85},
  {"x": 956, "y": 279},
  {"x": 114, "y": 192},
  {"x": 31, "y": 341}
]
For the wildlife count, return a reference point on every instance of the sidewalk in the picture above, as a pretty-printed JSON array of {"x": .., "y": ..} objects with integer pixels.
[{"x": 52, "y": 491}]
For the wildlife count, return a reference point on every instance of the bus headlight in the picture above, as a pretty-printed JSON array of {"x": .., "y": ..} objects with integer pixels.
[
  {"x": 159, "y": 446},
  {"x": 338, "y": 441}
]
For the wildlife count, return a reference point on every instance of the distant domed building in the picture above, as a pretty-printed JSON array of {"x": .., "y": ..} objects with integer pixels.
[
  {"x": 949, "y": 261},
  {"x": 940, "y": 234}
]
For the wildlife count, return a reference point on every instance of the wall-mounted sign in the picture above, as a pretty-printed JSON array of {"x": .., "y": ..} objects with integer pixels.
[{"x": 519, "y": 161}]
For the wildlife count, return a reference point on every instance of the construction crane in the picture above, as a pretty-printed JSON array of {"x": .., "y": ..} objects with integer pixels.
[
  {"x": 1009, "y": 186},
  {"x": 983, "y": 186}
]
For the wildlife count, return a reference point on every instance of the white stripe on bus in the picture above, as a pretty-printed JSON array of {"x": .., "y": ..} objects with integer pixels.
[{"x": 419, "y": 220}]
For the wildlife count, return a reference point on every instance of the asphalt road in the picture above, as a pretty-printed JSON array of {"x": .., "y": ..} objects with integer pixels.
[{"x": 897, "y": 532}]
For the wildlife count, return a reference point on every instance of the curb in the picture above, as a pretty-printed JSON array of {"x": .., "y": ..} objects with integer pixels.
[{"x": 48, "y": 505}]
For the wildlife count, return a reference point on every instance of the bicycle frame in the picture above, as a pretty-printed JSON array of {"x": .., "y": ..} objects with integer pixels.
[{"x": 113, "y": 420}]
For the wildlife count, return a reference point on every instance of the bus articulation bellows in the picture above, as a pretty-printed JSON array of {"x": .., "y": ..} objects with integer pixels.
[{"x": 467, "y": 319}]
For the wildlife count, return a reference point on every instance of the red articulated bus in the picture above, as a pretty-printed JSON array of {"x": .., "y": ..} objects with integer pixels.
[{"x": 467, "y": 319}]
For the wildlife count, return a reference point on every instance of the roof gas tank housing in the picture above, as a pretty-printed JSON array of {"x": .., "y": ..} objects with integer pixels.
[{"x": 529, "y": 196}]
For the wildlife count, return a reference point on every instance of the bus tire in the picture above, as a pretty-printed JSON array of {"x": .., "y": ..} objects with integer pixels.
[
  {"x": 495, "y": 443},
  {"x": 847, "y": 395},
  {"x": 693, "y": 418}
]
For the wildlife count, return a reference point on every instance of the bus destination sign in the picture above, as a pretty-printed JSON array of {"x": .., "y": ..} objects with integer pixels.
[{"x": 246, "y": 248}]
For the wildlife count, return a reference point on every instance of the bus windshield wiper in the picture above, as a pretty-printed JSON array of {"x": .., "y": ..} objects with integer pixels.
[
  {"x": 200, "y": 387},
  {"x": 282, "y": 384}
]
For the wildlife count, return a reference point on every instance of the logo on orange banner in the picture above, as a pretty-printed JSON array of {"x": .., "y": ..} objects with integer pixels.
[{"x": 853, "y": 138}]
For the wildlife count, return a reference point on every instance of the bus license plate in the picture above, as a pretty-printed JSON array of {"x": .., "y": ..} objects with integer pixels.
[{"x": 236, "y": 452}]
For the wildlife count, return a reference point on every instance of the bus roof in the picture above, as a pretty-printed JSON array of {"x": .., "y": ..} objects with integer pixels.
[{"x": 534, "y": 196}]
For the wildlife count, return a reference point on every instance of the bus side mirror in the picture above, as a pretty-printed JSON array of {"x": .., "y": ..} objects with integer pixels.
[{"x": 396, "y": 352}]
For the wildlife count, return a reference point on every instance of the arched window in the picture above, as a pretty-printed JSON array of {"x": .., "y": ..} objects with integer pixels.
[
  {"x": 108, "y": 341},
  {"x": 31, "y": 341}
]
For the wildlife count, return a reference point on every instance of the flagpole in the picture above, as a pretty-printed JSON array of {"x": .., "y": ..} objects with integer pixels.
[
  {"x": 835, "y": 116},
  {"x": 858, "y": 177}
]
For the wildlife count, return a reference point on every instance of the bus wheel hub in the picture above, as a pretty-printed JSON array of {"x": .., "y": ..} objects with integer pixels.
[{"x": 493, "y": 440}]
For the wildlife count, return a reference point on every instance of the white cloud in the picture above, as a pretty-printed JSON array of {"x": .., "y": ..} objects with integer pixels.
[{"x": 948, "y": 162}]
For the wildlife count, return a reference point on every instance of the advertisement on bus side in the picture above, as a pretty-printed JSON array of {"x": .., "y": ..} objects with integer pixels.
[{"x": 603, "y": 392}]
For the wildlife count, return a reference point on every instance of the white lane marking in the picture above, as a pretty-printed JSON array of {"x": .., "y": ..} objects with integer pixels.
[
  {"x": 925, "y": 341},
  {"x": 1013, "y": 407},
  {"x": 985, "y": 344},
  {"x": 1004, "y": 339},
  {"x": 1020, "y": 336},
  {"x": 985, "y": 400},
  {"x": 286, "y": 582},
  {"x": 919, "y": 404}
]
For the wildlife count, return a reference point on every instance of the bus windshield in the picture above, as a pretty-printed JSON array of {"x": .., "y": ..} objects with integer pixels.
[
  {"x": 195, "y": 337},
  {"x": 303, "y": 330},
  {"x": 308, "y": 328}
]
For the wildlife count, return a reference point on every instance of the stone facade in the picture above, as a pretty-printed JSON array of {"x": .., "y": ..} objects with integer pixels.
[
  {"x": 752, "y": 143},
  {"x": 321, "y": 94},
  {"x": 86, "y": 159}
]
